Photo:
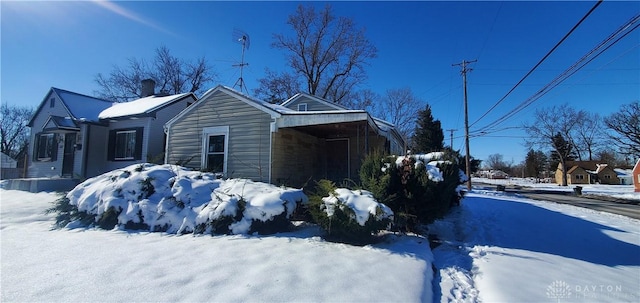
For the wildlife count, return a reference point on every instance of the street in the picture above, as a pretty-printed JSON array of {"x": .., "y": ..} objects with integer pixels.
[{"x": 629, "y": 208}]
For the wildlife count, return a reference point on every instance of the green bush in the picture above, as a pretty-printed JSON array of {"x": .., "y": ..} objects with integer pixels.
[
  {"x": 414, "y": 198},
  {"x": 67, "y": 213},
  {"x": 342, "y": 225}
]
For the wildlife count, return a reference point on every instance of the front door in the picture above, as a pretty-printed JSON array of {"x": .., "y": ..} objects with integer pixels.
[
  {"x": 69, "y": 153},
  {"x": 338, "y": 159}
]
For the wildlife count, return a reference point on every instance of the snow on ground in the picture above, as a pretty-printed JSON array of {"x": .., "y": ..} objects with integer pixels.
[
  {"x": 71, "y": 265},
  {"x": 495, "y": 248},
  {"x": 617, "y": 191},
  {"x": 500, "y": 248}
]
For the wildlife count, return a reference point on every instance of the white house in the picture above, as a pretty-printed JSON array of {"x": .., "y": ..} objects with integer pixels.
[{"x": 74, "y": 135}]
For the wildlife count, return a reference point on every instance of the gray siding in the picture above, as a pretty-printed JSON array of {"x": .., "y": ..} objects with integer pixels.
[
  {"x": 312, "y": 105},
  {"x": 249, "y": 136},
  {"x": 123, "y": 124},
  {"x": 39, "y": 169},
  {"x": 95, "y": 150}
]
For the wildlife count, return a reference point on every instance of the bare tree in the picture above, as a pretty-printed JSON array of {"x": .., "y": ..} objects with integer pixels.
[
  {"x": 497, "y": 162},
  {"x": 400, "y": 107},
  {"x": 588, "y": 135},
  {"x": 626, "y": 127},
  {"x": 328, "y": 52},
  {"x": 171, "y": 74},
  {"x": 553, "y": 128},
  {"x": 14, "y": 132},
  {"x": 277, "y": 88}
]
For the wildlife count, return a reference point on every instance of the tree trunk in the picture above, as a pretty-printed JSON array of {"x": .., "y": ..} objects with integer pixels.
[{"x": 564, "y": 171}]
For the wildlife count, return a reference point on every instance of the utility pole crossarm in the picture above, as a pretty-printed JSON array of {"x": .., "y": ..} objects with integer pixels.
[{"x": 464, "y": 71}]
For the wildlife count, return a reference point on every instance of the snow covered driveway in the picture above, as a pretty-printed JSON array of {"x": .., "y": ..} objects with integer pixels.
[{"x": 507, "y": 249}]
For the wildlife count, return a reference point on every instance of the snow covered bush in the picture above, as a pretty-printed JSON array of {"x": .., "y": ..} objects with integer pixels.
[
  {"x": 418, "y": 188},
  {"x": 174, "y": 199},
  {"x": 351, "y": 216}
]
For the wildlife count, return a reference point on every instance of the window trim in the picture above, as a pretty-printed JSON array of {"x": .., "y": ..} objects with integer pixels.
[
  {"x": 214, "y": 131},
  {"x": 125, "y": 157},
  {"x": 137, "y": 152},
  {"x": 306, "y": 107},
  {"x": 53, "y": 148}
]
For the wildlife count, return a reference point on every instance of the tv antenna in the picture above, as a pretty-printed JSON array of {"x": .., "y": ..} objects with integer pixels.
[{"x": 239, "y": 36}]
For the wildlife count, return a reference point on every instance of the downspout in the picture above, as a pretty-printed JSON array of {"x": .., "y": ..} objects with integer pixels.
[
  {"x": 85, "y": 146},
  {"x": 273, "y": 129},
  {"x": 165, "y": 128}
]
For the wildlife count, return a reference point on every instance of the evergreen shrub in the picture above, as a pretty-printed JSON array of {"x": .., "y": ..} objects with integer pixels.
[
  {"x": 414, "y": 197},
  {"x": 342, "y": 225}
]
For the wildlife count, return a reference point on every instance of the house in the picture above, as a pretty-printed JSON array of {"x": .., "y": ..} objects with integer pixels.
[
  {"x": 587, "y": 172},
  {"x": 78, "y": 136},
  {"x": 636, "y": 176},
  {"x": 625, "y": 175},
  {"x": 305, "y": 138},
  {"x": 7, "y": 162},
  {"x": 8, "y": 167}
]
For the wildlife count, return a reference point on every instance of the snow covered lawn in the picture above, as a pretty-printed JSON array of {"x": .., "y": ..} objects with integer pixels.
[
  {"x": 88, "y": 265},
  {"x": 495, "y": 248},
  {"x": 506, "y": 249}
]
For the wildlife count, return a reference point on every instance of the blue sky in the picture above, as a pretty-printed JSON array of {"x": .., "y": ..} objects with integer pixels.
[{"x": 65, "y": 44}]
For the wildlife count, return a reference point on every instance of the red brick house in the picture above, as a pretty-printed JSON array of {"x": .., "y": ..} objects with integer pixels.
[{"x": 636, "y": 176}]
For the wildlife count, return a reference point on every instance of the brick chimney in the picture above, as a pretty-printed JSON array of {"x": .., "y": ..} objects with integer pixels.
[{"x": 148, "y": 87}]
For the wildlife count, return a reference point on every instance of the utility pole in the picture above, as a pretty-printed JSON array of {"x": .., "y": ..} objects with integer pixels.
[
  {"x": 466, "y": 117},
  {"x": 451, "y": 137}
]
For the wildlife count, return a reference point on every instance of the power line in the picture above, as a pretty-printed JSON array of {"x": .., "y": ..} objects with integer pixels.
[
  {"x": 540, "y": 62},
  {"x": 578, "y": 65}
]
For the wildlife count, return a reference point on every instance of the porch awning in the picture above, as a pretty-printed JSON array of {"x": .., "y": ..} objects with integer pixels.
[
  {"x": 60, "y": 124},
  {"x": 318, "y": 118}
]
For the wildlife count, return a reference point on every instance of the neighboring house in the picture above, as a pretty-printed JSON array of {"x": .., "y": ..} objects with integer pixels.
[
  {"x": 587, "y": 172},
  {"x": 78, "y": 136},
  {"x": 8, "y": 167},
  {"x": 624, "y": 175},
  {"x": 492, "y": 174},
  {"x": 636, "y": 176},
  {"x": 303, "y": 139},
  {"x": 7, "y": 162}
]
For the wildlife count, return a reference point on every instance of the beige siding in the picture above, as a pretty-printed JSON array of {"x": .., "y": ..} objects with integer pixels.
[
  {"x": 297, "y": 158},
  {"x": 312, "y": 105},
  {"x": 249, "y": 136}
]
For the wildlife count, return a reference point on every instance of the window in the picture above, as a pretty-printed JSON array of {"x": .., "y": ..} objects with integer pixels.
[
  {"x": 302, "y": 107},
  {"x": 45, "y": 147},
  {"x": 215, "y": 154},
  {"x": 125, "y": 144},
  {"x": 579, "y": 177},
  {"x": 215, "y": 142},
  {"x": 52, "y": 102},
  {"x": 608, "y": 177}
]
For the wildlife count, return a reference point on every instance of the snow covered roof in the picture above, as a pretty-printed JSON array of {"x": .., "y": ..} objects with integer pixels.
[
  {"x": 80, "y": 107},
  {"x": 141, "y": 107},
  {"x": 623, "y": 172}
]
